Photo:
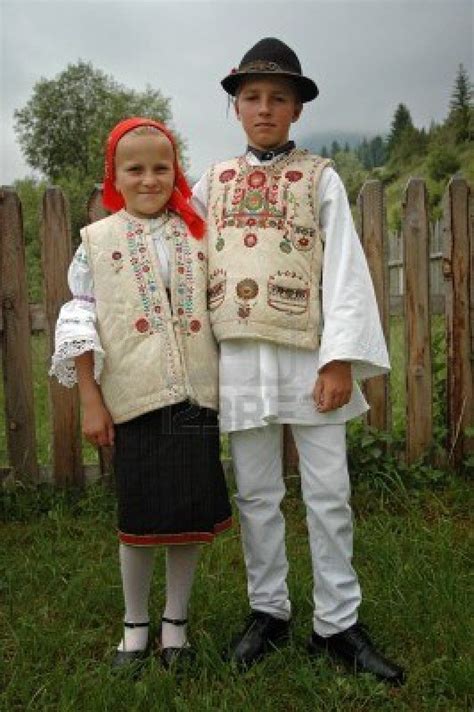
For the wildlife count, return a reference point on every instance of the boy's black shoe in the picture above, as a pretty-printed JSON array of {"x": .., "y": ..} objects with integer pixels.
[
  {"x": 262, "y": 633},
  {"x": 354, "y": 646}
]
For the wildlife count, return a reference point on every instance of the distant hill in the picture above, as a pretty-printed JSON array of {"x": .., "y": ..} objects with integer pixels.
[{"x": 315, "y": 141}]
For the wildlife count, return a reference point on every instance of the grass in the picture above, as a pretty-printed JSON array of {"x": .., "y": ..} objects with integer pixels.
[{"x": 61, "y": 607}]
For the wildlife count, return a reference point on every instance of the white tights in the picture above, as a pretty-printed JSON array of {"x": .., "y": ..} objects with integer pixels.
[{"x": 136, "y": 565}]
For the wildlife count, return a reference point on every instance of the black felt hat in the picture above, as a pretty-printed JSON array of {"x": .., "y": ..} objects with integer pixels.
[{"x": 271, "y": 56}]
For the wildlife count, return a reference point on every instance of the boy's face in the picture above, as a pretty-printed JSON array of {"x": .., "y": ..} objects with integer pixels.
[
  {"x": 144, "y": 173},
  {"x": 267, "y": 106}
]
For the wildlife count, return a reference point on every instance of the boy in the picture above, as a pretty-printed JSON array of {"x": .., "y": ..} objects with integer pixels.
[{"x": 282, "y": 251}]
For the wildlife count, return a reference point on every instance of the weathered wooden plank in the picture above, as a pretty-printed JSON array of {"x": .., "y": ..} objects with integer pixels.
[
  {"x": 416, "y": 235},
  {"x": 458, "y": 275},
  {"x": 16, "y": 346},
  {"x": 373, "y": 237},
  {"x": 96, "y": 211},
  {"x": 56, "y": 256}
]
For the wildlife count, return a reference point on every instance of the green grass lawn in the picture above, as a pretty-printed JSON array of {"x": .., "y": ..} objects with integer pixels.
[{"x": 61, "y": 610}]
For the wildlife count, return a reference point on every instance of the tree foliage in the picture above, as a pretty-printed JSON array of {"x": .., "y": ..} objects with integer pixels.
[
  {"x": 461, "y": 115},
  {"x": 401, "y": 124},
  {"x": 65, "y": 122}
]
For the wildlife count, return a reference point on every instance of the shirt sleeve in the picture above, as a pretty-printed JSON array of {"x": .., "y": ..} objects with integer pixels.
[
  {"x": 200, "y": 196},
  {"x": 76, "y": 330},
  {"x": 352, "y": 330}
]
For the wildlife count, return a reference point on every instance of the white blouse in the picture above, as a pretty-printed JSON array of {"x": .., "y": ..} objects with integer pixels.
[
  {"x": 76, "y": 330},
  {"x": 263, "y": 383}
]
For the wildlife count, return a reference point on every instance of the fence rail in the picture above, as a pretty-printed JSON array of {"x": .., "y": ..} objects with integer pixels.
[{"x": 422, "y": 270}]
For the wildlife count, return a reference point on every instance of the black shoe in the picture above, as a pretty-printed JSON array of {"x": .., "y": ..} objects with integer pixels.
[
  {"x": 354, "y": 646},
  {"x": 131, "y": 661},
  {"x": 176, "y": 658},
  {"x": 262, "y": 633}
]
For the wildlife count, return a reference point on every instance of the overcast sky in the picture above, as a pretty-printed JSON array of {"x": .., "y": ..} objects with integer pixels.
[{"x": 366, "y": 57}]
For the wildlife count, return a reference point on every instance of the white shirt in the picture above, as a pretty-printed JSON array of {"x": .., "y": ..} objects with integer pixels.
[{"x": 262, "y": 383}]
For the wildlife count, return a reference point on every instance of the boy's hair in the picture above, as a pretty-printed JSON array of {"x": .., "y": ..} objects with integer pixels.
[{"x": 285, "y": 80}]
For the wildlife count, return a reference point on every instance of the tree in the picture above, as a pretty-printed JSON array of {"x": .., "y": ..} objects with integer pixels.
[
  {"x": 461, "y": 110},
  {"x": 335, "y": 148},
  {"x": 352, "y": 173},
  {"x": 64, "y": 125},
  {"x": 65, "y": 122},
  {"x": 401, "y": 122}
]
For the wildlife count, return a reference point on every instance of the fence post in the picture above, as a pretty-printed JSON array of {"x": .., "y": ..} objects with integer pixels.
[
  {"x": 457, "y": 267},
  {"x": 373, "y": 237},
  {"x": 417, "y": 319},
  {"x": 16, "y": 346},
  {"x": 96, "y": 211},
  {"x": 56, "y": 256}
]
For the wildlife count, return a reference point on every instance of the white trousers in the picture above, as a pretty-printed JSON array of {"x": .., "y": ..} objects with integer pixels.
[{"x": 257, "y": 460}]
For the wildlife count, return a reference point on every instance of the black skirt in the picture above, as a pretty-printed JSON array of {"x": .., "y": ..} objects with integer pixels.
[{"x": 170, "y": 482}]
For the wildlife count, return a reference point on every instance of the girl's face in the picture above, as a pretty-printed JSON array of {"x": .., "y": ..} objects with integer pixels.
[
  {"x": 267, "y": 106},
  {"x": 144, "y": 173}
]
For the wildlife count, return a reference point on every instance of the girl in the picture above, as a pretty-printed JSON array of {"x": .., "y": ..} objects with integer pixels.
[{"x": 136, "y": 338}]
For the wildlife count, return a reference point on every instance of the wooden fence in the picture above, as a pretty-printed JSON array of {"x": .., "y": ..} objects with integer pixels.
[{"x": 453, "y": 248}]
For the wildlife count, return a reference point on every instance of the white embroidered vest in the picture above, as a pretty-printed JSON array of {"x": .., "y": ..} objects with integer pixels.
[
  {"x": 153, "y": 357},
  {"x": 265, "y": 249}
]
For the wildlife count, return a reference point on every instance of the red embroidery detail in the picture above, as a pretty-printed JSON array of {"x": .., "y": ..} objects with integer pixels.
[
  {"x": 247, "y": 289},
  {"x": 142, "y": 325},
  {"x": 251, "y": 222},
  {"x": 195, "y": 325},
  {"x": 145, "y": 268},
  {"x": 201, "y": 256},
  {"x": 116, "y": 255},
  {"x": 250, "y": 240},
  {"x": 257, "y": 179},
  {"x": 227, "y": 175},
  {"x": 181, "y": 270},
  {"x": 180, "y": 310},
  {"x": 303, "y": 241},
  {"x": 244, "y": 312},
  {"x": 293, "y": 176}
]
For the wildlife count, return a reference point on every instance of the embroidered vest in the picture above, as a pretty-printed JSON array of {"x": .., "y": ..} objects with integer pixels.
[
  {"x": 265, "y": 250},
  {"x": 154, "y": 356}
]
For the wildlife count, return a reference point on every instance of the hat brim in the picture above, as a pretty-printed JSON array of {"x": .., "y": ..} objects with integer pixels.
[{"x": 306, "y": 87}]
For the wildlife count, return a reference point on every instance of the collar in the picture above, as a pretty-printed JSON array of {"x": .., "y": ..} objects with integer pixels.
[{"x": 270, "y": 155}]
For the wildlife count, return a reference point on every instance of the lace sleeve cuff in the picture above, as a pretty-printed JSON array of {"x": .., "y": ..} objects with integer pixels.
[{"x": 62, "y": 363}]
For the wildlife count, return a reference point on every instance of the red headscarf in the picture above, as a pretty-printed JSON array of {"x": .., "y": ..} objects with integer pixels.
[{"x": 179, "y": 201}]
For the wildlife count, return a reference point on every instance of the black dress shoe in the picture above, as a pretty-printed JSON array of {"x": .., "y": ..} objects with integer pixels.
[
  {"x": 130, "y": 661},
  {"x": 175, "y": 658},
  {"x": 354, "y": 646},
  {"x": 262, "y": 633}
]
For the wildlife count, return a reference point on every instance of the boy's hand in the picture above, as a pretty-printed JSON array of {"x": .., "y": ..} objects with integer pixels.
[
  {"x": 97, "y": 425},
  {"x": 333, "y": 387}
]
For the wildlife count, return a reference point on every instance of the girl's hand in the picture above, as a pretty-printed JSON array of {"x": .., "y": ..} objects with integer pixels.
[
  {"x": 97, "y": 425},
  {"x": 333, "y": 387}
]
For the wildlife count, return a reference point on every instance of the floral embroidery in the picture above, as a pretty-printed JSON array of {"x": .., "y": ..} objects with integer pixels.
[
  {"x": 151, "y": 321},
  {"x": 247, "y": 289},
  {"x": 195, "y": 325},
  {"x": 142, "y": 325},
  {"x": 217, "y": 289},
  {"x": 250, "y": 240},
  {"x": 226, "y": 176},
  {"x": 293, "y": 176},
  {"x": 257, "y": 179}
]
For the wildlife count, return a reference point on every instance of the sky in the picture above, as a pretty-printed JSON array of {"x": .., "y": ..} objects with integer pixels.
[{"x": 366, "y": 57}]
